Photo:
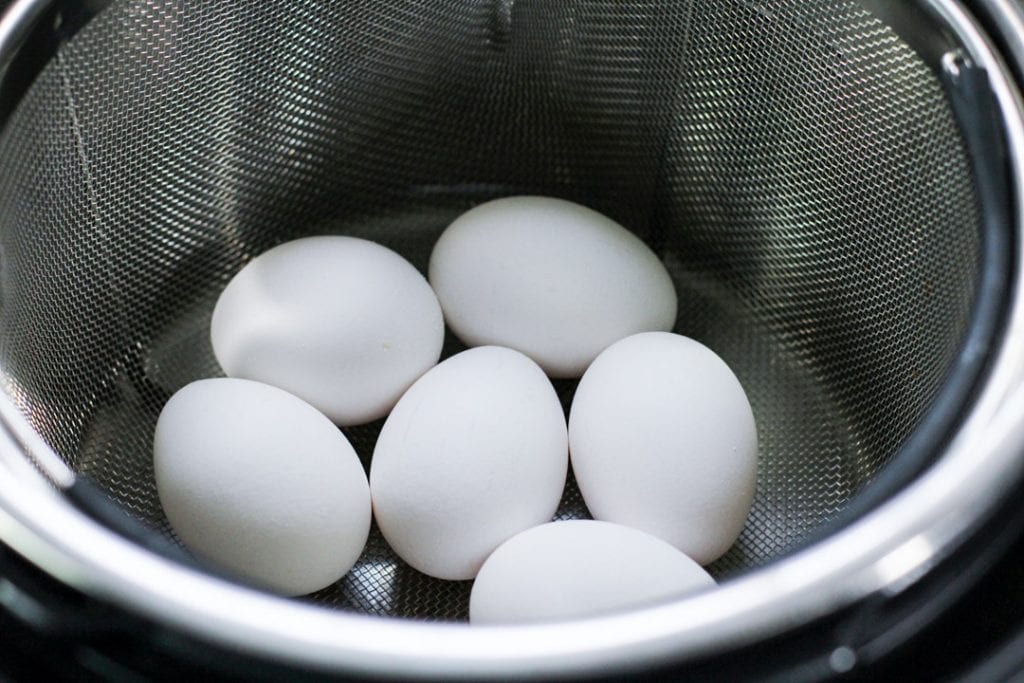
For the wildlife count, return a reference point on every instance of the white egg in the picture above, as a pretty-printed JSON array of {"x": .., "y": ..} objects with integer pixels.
[
  {"x": 259, "y": 483},
  {"x": 343, "y": 323},
  {"x": 550, "y": 278},
  {"x": 581, "y": 568},
  {"x": 662, "y": 439},
  {"x": 475, "y": 452}
]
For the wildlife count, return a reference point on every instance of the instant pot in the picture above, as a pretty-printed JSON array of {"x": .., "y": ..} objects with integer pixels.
[{"x": 834, "y": 186}]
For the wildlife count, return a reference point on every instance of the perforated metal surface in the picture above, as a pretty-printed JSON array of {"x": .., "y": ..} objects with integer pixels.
[{"x": 795, "y": 165}]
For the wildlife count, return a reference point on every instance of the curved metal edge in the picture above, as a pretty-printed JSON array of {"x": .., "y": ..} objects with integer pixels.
[
  {"x": 15, "y": 25},
  {"x": 32, "y": 32},
  {"x": 15, "y": 430},
  {"x": 21, "y": 17},
  {"x": 880, "y": 554},
  {"x": 1007, "y": 18}
]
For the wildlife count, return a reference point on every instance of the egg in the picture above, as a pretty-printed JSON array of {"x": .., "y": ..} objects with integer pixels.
[
  {"x": 550, "y": 278},
  {"x": 475, "y": 452},
  {"x": 260, "y": 484},
  {"x": 662, "y": 438},
  {"x": 579, "y": 568},
  {"x": 341, "y": 322}
]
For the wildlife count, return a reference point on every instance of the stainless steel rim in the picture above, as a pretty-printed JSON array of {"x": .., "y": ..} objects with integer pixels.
[{"x": 884, "y": 552}]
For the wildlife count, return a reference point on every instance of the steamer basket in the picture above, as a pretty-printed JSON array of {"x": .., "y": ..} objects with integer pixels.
[{"x": 832, "y": 186}]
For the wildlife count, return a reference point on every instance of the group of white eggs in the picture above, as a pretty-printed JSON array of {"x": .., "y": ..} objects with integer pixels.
[{"x": 471, "y": 462}]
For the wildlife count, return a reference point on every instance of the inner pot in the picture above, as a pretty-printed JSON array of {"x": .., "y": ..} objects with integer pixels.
[{"x": 816, "y": 179}]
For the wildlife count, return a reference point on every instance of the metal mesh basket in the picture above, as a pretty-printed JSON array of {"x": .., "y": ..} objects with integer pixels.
[{"x": 796, "y": 165}]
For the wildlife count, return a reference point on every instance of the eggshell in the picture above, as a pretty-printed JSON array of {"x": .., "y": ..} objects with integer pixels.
[
  {"x": 259, "y": 483},
  {"x": 662, "y": 439},
  {"x": 580, "y": 568},
  {"x": 550, "y": 278},
  {"x": 475, "y": 452},
  {"x": 343, "y": 323}
]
